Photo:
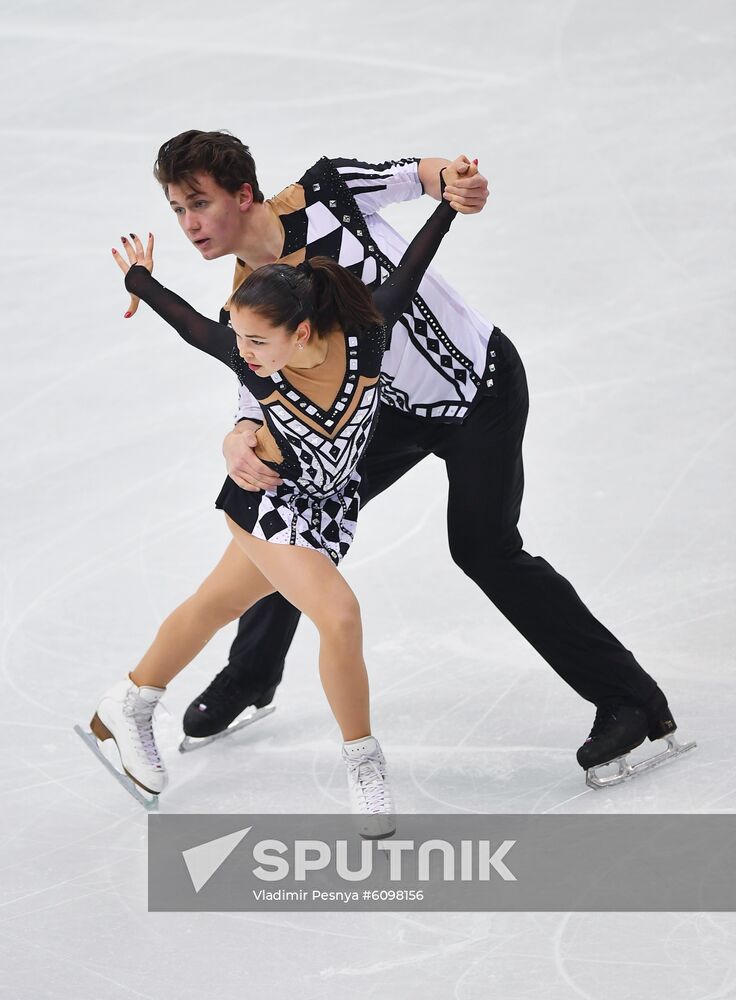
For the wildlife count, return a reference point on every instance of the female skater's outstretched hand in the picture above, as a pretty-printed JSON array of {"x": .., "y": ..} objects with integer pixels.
[
  {"x": 136, "y": 255},
  {"x": 465, "y": 188}
]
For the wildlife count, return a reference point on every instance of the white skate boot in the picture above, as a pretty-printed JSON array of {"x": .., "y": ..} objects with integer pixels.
[
  {"x": 125, "y": 715},
  {"x": 370, "y": 792}
]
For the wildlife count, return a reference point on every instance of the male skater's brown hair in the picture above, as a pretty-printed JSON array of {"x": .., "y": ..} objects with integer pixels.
[{"x": 221, "y": 155}]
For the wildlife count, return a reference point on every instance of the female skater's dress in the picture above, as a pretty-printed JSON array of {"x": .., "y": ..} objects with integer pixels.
[{"x": 317, "y": 421}]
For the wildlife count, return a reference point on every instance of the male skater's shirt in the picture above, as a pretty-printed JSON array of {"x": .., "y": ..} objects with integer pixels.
[
  {"x": 437, "y": 361},
  {"x": 317, "y": 421}
]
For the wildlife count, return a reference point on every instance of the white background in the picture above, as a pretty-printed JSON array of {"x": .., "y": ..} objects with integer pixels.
[{"x": 605, "y": 253}]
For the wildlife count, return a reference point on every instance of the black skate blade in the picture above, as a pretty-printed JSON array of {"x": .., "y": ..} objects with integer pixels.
[
  {"x": 627, "y": 770},
  {"x": 190, "y": 743},
  {"x": 151, "y": 805}
]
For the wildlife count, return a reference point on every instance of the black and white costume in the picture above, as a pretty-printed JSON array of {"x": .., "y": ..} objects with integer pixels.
[
  {"x": 439, "y": 354},
  {"x": 452, "y": 386},
  {"x": 319, "y": 447}
]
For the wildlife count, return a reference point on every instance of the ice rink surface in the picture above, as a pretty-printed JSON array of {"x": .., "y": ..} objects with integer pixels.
[{"x": 605, "y": 253}]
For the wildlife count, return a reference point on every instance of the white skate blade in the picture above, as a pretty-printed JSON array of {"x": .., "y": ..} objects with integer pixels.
[
  {"x": 190, "y": 743},
  {"x": 628, "y": 770},
  {"x": 151, "y": 804}
]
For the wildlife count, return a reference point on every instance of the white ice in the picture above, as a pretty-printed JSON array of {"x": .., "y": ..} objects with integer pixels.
[{"x": 605, "y": 253}]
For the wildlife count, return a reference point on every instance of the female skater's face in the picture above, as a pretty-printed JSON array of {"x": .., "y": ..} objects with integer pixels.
[{"x": 266, "y": 349}]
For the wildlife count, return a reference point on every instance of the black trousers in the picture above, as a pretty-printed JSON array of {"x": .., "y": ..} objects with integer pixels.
[{"x": 486, "y": 482}]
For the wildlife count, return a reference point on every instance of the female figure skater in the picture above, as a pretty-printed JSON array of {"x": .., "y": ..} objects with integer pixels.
[{"x": 308, "y": 343}]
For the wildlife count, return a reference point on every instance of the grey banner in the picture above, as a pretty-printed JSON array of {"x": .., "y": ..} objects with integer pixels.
[{"x": 443, "y": 862}]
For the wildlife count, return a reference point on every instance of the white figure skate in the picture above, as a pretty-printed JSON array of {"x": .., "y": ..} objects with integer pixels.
[
  {"x": 370, "y": 792},
  {"x": 124, "y": 718}
]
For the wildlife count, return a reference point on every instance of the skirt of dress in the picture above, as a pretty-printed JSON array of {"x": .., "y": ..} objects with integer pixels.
[{"x": 287, "y": 516}]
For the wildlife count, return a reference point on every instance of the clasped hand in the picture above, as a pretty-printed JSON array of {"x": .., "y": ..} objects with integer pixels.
[{"x": 465, "y": 188}]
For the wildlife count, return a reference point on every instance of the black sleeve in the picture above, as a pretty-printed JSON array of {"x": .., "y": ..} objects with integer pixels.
[
  {"x": 394, "y": 296},
  {"x": 210, "y": 337}
]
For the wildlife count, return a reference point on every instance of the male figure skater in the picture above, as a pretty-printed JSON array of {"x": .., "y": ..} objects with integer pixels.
[{"x": 452, "y": 385}]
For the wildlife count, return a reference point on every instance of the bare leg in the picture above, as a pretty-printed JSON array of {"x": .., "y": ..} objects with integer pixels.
[
  {"x": 232, "y": 587},
  {"x": 310, "y": 581}
]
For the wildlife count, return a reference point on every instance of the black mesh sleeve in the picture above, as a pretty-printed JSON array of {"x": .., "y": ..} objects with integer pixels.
[
  {"x": 210, "y": 337},
  {"x": 394, "y": 296}
]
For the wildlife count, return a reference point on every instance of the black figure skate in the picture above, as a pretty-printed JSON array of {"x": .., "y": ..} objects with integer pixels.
[
  {"x": 619, "y": 729},
  {"x": 218, "y": 711}
]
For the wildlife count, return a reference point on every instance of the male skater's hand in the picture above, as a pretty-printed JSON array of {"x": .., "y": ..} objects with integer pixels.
[
  {"x": 243, "y": 466},
  {"x": 136, "y": 255},
  {"x": 466, "y": 189}
]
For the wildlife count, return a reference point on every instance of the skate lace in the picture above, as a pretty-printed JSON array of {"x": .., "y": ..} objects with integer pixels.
[
  {"x": 370, "y": 781},
  {"x": 140, "y": 723},
  {"x": 220, "y": 690},
  {"x": 602, "y": 717}
]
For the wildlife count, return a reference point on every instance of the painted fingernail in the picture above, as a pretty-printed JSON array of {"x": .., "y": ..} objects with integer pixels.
[
  {"x": 150, "y": 236},
  {"x": 114, "y": 250},
  {"x": 475, "y": 162},
  {"x": 133, "y": 236},
  {"x": 127, "y": 315},
  {"x": 123, "y": 239}
]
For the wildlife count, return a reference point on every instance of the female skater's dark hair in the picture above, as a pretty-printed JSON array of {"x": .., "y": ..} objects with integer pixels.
[
  {"x": 319, "y": 290},
  {"x": 220, "y": 154}
]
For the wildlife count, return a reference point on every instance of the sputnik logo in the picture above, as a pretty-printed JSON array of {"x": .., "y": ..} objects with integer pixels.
[
  {"x": 274, "y": 863},
  {"x": 204, "y": 860}
]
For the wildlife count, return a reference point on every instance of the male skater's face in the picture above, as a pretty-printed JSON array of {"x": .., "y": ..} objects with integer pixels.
[{"x": 210, "y": 216}]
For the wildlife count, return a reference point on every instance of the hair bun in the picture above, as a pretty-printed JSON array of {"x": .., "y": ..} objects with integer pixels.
[{"x": 306, "y": 268}]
